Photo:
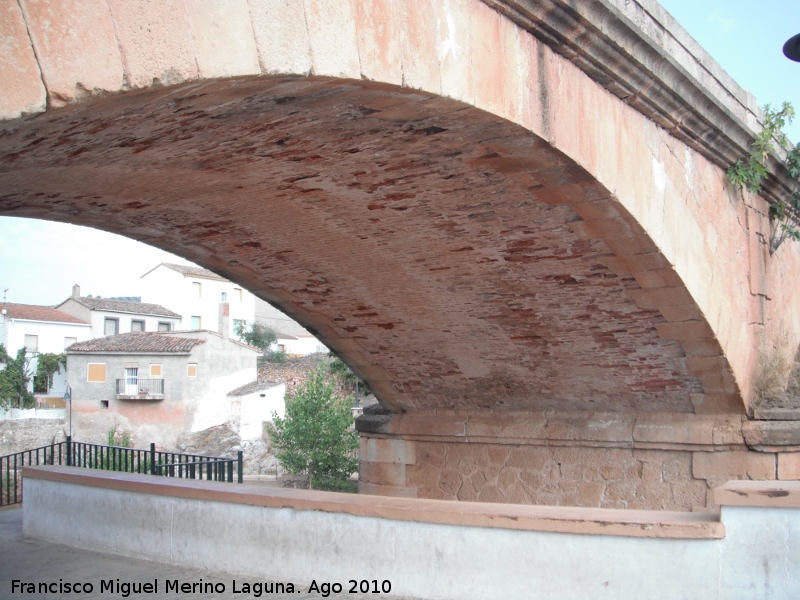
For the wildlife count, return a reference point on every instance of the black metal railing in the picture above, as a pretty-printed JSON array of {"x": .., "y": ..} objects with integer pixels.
[
  {"x": 135, "y": 386},
  {"x": 114, "y": 458}
]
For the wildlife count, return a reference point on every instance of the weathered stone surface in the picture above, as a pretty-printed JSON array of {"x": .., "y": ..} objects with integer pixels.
[
  {"x": 382, "y": 450},
  {"x": 382, "y": 473},
  {"x": 75, "y": 48},
  {"x": 223, "y": 38},
  {"x": 379, "y": 41},
  {"x": 155, "y": 42},
  {"x": 673, "y": 429},
  {"x": 551, "y": 329},
  {"x": 281, "y": 36},
  {"x": 560, "y": 476},
  {"x": 23, "y": 90},
  {"x": 721, "y": 466},
  {"x": 772, "y": 433},
  {"x": 332, "y": 36},
  {"x": 788, "y": 465},
  {"x": 17, "y": 435}
]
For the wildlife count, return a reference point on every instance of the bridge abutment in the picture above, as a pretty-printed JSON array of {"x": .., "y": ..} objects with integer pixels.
[{"x": 653, "y": 461}]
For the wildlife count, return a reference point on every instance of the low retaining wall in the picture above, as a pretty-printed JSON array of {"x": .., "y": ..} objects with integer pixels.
[
  {"x": 18, "y": 434},
  {"x": 430, "y": 549}
]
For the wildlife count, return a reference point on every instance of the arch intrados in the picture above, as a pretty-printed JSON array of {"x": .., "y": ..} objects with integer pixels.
[{"x": 432, "y": 244}]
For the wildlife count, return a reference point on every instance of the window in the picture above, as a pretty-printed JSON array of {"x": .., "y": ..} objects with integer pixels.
[
  {"x": 237, "y": 294},
  {"x": 111, "y": 326},
  {"x": 32, "y": 343},
  {"x": 104, "y": 403},
  {"x": 197, "y": 322},
  {"x": 281, "y": 348},
  {"x": 191, "y": 371},
  {"x": 224, "y": 296},
  {"x": 96, "y": 373},
  {"x": 198, "y": 289},
  {"x": 237, "y": 327},
  {"x": 155, "y": 370},
  {"x": 137, "y": 325},
  {"x": 68, "y": 341},
  {"x": 164, "y": 326}
]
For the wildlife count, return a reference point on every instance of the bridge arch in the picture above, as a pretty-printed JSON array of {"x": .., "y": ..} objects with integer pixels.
[{"x": 469, "y": 218}]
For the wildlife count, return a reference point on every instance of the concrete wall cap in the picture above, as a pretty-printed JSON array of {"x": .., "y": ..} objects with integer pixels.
[{"x": 597, "y": 521}]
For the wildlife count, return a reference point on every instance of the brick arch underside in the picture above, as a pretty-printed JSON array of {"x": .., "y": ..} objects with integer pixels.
[{"x": 451, "y": 257}]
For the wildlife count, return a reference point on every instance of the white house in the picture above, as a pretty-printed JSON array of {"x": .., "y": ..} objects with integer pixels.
[
  {"x": 300, "y": 344},
  {"x": 254, "y": 403},
  {"x": 41, "y": 329},
  {"x": 196, "y": 294},
  {"x": 112, "y": 317}
]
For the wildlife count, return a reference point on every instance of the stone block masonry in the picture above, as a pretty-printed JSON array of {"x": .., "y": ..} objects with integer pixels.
[
  {"x": 603, "y": 460},
  {"x": 17, "y": 435}
]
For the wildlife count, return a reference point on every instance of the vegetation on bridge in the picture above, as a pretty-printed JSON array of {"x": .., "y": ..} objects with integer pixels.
[{"x": 751, "y": 171}]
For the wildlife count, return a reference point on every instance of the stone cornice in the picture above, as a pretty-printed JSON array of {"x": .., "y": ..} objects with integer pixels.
[{"x": 638, "y": 52}]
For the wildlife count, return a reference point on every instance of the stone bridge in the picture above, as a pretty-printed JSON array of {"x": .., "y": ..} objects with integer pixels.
[{"x": 509, "y": 217}]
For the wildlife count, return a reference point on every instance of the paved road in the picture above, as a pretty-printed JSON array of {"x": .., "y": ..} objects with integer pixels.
[{"x": 35, "y": 561}]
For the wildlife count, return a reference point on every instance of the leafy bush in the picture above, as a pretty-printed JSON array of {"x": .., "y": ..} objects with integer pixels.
[
  {"x": 751, "y": 171},
  {"x": 263, "y": 337},
  {"x": 315, "y": 439},
  {"x": 14, "y": 380},
  {"x": 48, "y": 365},
  {"x": 346, "y": 377}
]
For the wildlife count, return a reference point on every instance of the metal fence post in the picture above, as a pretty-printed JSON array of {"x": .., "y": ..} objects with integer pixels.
[
  {"x": 152, "y": 458},
  {"x": 239, "y": 465},
  {"x": 69, "y": 450}
]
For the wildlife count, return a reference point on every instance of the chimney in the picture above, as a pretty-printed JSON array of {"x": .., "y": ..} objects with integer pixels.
[
  {"x": 76, "y": 291},
  {"x": 224, "y": 319}
]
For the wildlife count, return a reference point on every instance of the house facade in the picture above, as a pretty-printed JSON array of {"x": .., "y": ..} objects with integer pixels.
[
  {"x": 196, "y": 294},
  {"x": 156, "y": 385},
  {"x": 113, "y": 317},
  {"x": 41, "y": 329},
  {"x": 300, "y": 344}
]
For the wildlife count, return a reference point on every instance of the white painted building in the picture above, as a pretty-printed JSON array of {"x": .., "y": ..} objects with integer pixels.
[
  {"x": 299, "y": 345},
  {"x": 253, "y": 404},
  {"x": 112, "y": 317},
  {"x": 41, "y": 329},
  {"x": 196, "y": 294}
]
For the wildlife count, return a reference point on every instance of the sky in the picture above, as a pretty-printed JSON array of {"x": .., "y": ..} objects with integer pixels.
[{"x": 40, "y": 260}]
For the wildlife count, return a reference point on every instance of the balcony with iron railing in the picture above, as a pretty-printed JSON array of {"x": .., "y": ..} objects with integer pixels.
[{"x": 136, "y": 388}]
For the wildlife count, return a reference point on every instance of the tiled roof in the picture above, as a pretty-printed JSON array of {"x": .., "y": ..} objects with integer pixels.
[
  {"x": 137, "y": 342},
  {"x": 253, "y": 386},
  {"x": 194, "y": 271},
  {"x": 32, "y": 312},
  {"x": 138, "y": 308}
]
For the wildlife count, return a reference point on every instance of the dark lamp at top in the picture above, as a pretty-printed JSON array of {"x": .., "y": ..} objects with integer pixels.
[{"x": 791, "y": 49}]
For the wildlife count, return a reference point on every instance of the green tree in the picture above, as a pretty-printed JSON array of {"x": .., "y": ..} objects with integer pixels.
[
  {"x": 14, "y": 380},
  {"x": 48, "y": 365},
  {"x": 260, "y": 336},
  {"x": 345, "y": 375},
  {"x": 750, "y": 171},
  {"x": 314, "y": 438}
]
